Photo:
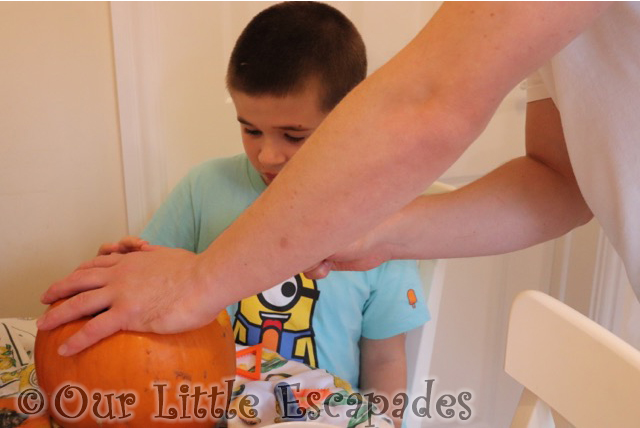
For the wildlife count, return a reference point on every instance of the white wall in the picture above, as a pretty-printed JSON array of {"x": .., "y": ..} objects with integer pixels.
[{"x": 61, "y": 188}]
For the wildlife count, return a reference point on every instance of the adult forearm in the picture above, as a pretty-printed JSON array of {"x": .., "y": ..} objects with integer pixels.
[{"x": 520, "y": 204}]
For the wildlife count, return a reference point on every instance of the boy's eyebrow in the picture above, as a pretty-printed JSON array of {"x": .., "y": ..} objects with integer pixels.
[{"x": 284, "y": 128}]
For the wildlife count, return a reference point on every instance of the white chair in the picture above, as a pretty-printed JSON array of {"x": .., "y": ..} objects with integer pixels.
[{"x": 570, "y": 364}]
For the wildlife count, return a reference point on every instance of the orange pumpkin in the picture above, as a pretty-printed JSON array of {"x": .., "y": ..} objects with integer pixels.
[
  {"x": 9, "y": 405},
  {"x": 138, "y": 379}
]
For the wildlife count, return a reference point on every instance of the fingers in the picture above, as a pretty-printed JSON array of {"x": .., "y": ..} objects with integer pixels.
[
  {"x": 78, "y": 306},
  {"x": 127, "y": 244},
  {"x": 92, "y": 332},
  {"x": 84, "y": 279},
  {"x": 132, "y": 243},
  {"x": 107, "y": 249}
]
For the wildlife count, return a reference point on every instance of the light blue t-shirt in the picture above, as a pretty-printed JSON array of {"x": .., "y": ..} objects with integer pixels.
[{"x": 318, "y": 322}]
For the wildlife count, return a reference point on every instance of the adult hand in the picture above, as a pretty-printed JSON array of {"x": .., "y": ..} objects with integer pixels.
[
  {"x": 396, "y": 237},
  {"x": 159, "y": 291},
  {"x": 361, "y": 255}
]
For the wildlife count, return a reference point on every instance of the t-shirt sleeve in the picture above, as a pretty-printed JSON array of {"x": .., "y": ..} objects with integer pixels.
[
  {"x": 396, "y": 303},
  {"x": 536, "y": 89},
  {"x": 173, "y": 224}
]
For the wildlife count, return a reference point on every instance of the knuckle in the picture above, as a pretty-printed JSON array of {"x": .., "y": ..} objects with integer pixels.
[
  {"x": 134, "y": 310},
  {"x": 78, "y": 301},
  {"x": 76, "y": 276},
  {"x": 91, "y": 330}
]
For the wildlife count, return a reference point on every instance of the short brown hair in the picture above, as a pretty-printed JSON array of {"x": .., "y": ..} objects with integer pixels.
[{"x": 290, "y": 42}]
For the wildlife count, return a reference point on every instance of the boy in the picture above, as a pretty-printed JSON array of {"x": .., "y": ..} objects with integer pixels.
[{"x": 291, "y": 65}]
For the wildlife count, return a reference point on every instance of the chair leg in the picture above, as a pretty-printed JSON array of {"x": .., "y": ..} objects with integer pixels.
[{"x": 532, "y": 413}]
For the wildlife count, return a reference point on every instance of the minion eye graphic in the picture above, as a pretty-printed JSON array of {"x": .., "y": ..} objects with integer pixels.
[{"x": 281, "y": 297}]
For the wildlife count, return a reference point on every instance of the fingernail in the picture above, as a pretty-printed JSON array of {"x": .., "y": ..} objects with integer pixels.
[{"x": 62, "y": 350}]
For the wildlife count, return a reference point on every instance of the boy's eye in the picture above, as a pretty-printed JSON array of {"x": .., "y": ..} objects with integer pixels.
[
  {"x": 253, "y": 132},
  {"x": 294, "y": 139}
]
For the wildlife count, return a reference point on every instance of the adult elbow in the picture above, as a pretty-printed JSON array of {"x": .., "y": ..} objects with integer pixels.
[{"x": 584, "y": 215}]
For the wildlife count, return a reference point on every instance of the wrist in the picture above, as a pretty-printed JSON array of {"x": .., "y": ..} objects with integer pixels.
[
  {"x": 210, "y": 284},
  {"x": 393, "y": 237},
  {"x": 220, "y": 280}
]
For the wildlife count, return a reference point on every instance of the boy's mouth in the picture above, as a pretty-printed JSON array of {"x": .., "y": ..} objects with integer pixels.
[{"x": 268, "y": 178}]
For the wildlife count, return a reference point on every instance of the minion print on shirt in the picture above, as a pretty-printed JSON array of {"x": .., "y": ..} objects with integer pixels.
[{"x": 281, "y": 318}]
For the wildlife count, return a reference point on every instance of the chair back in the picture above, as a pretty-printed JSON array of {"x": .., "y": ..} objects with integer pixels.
[{"x": 569, "y": 363}]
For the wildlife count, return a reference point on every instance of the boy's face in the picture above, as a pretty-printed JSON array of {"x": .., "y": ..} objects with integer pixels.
[{"x": 274, "y": 128}]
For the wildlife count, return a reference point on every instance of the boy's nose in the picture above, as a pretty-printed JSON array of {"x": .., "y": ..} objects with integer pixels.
[{"x": 271, "y": 154}]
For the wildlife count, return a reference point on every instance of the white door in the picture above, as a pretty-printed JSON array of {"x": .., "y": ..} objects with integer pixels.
[{"x": 171, "y": 59}]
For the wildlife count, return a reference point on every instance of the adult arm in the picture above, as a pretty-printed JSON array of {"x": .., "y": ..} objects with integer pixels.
[
  {"x": 524, "y": 202},
  {"x": 389, "y": 138},
  {"x": 398, "y": 132}
]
